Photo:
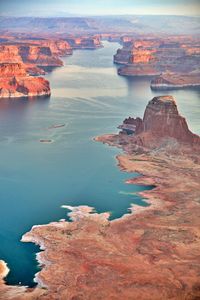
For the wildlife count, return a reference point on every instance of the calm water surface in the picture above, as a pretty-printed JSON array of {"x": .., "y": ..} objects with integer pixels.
[{"x": 36, "y": 179}]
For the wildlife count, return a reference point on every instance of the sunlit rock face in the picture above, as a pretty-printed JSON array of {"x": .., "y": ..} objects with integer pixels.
[
  {"x": 85, "y": 42},
  {"x": 161, "y": 125},
  {"x": 12, "y": 69},
  {"x": 39, "y": 55},
  {"x": 142, "y": 56},
  {"x": 155, "y": 56},
  {"x": 33, "y": 56},
  {"x": 9, "y": 53},
  {"x": 161, "y": 118},
  {"x": 15, "y": 82},
  {"x": 58, "y": 47}
]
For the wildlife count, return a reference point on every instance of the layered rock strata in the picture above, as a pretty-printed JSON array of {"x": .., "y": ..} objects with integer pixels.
[
  {"x": 175, "y": 81},
  {"x": 161, "y": 55},
  {"x": 16, "y": 83},
  {"x": 93, "y": 42}
]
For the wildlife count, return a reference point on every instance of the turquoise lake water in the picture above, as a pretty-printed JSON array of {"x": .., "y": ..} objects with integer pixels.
[{"x": 36, "y": 178}]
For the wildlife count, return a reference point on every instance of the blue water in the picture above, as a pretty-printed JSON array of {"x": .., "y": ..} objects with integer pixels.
[{"x": 36, "y": 179}]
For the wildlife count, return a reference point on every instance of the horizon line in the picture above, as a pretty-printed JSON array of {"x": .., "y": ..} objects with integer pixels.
[{"x": 71, "y": 15}]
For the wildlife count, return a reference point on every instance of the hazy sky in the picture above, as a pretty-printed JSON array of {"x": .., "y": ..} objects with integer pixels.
[{"x": 99, "y": 7}]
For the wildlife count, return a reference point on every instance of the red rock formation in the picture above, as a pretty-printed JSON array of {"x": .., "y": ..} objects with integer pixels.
[
  {"x": 138, "y": 70},
  {"x": 139, "y": 56},
  {"x": 93, "y": 42},
  {"x": 160, "y": 124},
  {"x": 9, "y": 53},
  {"x": 146, "y": 44},
  {"x": 162, "y": 119},
  {"x": 33, "y": 57},
  {"x": 12, "y": 69},
  {"x": 161, "y": 54},
  {"x": 15, "y": 83},
  {"x": 174, "y": 81},
  {"x": 57, "y": 47},
  {"x": 39, "y": 55},
  {"x": 122, "y": 56}
]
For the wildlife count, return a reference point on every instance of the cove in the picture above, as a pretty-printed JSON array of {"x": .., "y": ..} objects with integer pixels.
[{"x": 37, "y": 178}]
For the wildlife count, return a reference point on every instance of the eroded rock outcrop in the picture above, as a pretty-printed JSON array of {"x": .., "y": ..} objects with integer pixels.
[
  {"x": 153, "y": 57},
  {"x": 15, "y": 82},
  {"x": 58, "y": 47},
  {"x": 161, "y": 125},
  {"x": 34, "y": 57},
  {"x": 39, "y": 55},
  {"x": 9, "y": 53},
  {"x": 175, "y": 81},
  {"x": 91, "y": 42}
]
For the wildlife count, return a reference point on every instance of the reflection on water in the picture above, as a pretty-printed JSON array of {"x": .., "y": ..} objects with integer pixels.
[{"x": 37, "y": 178}]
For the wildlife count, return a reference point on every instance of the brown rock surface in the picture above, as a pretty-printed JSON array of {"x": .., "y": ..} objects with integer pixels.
[
  {"x": 9, "y": 53},
  {"x": 139, "y": 56},
  {"x": 151, "y": 254},
  {"x": 12, "y": 69},
  {"x": 91, "y": 42},
  {"x": 15, "y": 83},
  {"x": 161, "y": 126},
  {"x": 33, "y": 56},
  {"x": 58, "y": 47},
  {"x": 173, "y": 54},
  {"x": 174, "y": 81},
  {"x": 39, "y": 55}
]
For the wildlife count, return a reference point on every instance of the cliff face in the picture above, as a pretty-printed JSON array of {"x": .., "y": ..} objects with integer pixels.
[
  {"x": 161, "y": 124},
  {"x": 12, "y": 69},
  {"x": 138, "y": 70},
  {"x": 85, "y": 42},
  {"x": 161, "y": 118},
  {"x": 33, "y": 56},
  {"x": 9, "y": 53},
  {"x": 122, "y": 56},
  {"x": 15, "y": 83},
  {"x": 58, "y": 47},
  {"x": 142, "y": 56},
  {"x": 173, "y": 81},
  {"x": 174, "y": 54},
  {"x": 18, "y": 87},
  {"x": 39, "y": 55}
]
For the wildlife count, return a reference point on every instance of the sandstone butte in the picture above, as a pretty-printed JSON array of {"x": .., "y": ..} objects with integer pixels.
[
  {"x": 152, "y": 253},
  {"x": 16, "y": 83}
]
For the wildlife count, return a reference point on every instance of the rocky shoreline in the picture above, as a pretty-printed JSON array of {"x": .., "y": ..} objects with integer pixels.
[
  {"x": 22, "y": 59},
  {"x": 172, "y": 62},
  {"x": 175, "y": 81},
  {"x": 152, "y": 253}
]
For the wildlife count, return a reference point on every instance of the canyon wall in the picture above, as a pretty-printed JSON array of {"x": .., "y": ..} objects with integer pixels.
[{"x": 179, "y": 56}]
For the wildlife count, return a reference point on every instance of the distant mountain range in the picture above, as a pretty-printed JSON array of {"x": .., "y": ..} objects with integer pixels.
[{"x": 99, "y": 24}]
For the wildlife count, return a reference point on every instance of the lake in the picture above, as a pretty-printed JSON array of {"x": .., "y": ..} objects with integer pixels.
[{"x": 37, "y": 178}]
